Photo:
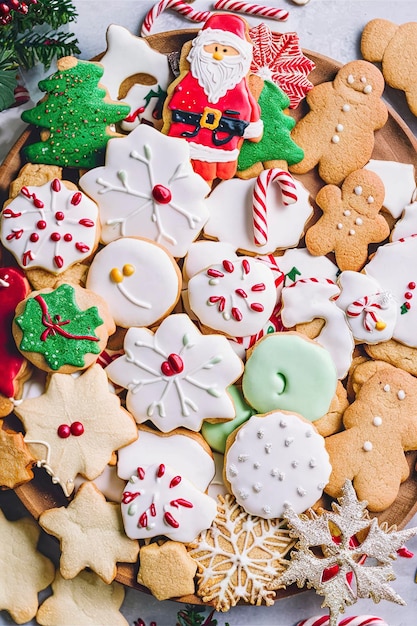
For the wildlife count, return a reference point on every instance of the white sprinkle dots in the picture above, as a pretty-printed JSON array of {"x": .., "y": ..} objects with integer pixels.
[
  {"x": 313, "y": 462},
  {"x": 401, "y": 394},
  {"x": 301, "y": 492},
  {"x": 346, "y": 213},
  {"x": 243, "y": 457},
  {"x": 387, "y": 388},
  {"x": 260, "y": 434},
  {"x": 257, "y": 487},
  {"x": 367, "y": 446},
  {"x": 335, "y": 139},
  {"x": 377, "y": 421},
  {"x": 233, "y": 471},
  {"x": 289, "y": 441},
  {"x": 268, "y": 448},
  {"x": 358, "y": 190}
]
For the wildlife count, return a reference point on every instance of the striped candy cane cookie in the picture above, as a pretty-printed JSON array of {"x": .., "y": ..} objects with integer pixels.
[
  {"x": 180, "y": 6},
  {"x": 252, "y": 9},
  {"x": 289, "y": 196},
  {"x": 359, "y": 620}
]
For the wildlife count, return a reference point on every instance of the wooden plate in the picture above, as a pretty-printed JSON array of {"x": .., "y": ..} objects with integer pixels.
[{"x": 394, "y": 142}]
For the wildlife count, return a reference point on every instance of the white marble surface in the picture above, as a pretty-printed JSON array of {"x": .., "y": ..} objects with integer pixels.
[{"x": 333, "y": 28}]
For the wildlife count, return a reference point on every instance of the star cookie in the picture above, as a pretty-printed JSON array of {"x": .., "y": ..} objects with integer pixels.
[
  {"x": 167, "y": 570},
  {"x": 16, "y": 461}
]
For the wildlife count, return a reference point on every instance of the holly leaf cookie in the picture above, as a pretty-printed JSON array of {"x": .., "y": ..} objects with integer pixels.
[
  {"x": 91, "y": 534},
  {"x": 74, "y": 427},
  {"x": 24, "y": 570}
]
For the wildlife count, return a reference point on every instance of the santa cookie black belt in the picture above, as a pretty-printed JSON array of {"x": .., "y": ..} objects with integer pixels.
[{"x": 212, "y": 119}]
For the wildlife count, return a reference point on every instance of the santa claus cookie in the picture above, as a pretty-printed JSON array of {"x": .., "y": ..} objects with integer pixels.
[
  {"x": 337, "y": 134},
  {"x": 210, "y": 103}
]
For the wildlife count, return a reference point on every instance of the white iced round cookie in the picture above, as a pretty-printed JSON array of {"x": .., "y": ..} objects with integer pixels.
[
  {"x": 390, "y": 172},
  {"x": 176, "y": 376},
  {"x": 235, "y": 297},
  {"x": 370, "y": 312},
  {"x": 202, "y": 252},
  {"x": 158, "y": 500},
  {"x": 148, "y": 188},
  {"x": 51, "y": 227},
  {"x": 138, "y": 279},
  {"x": 394, "y": 267},
  {"x": 231, "y": 216},
  {"x": 274, "y": 460}
]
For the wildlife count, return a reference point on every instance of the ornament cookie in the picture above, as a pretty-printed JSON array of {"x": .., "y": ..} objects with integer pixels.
[
  {"x": 380, "y": 426},
  {"x": 138, "y": 278},
  {"x": 395, "y": 47},
  {"x": 350, "y": 220},
  {"x": 79, "y": 139},
  {"x": 176, "y": 376},
  {"x": 210, "y": 103},
  {"x": 147, "y": 188},
  {"x": 62, "y": 329},
  {"x": 51, "y": 227},
  {"x": 274, "y": 460},
  {"x": 342, "y": 119}
]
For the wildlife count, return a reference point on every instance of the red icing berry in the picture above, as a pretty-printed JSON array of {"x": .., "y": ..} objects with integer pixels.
[
  {"x": 55, "y": 236},
  {"x": 173, "y": 365},
  {"x": 407, "y": 305},
  {"x": 64, "y": 431},
  {"x": 77, "y": 429},
  {"x": 161, "y": 194},
  {"x": 56, "y": 185},
  {"x": 228, "y": 266},
  {"x": 76, "y": 198},
  {"x": 41, "y": 224},
  {"x": 408, "y": 295},
  {"x": 67, "y": 237},
  {"x": 34, "y": 237},
  {"x": 59, "y": 215},
  {"x": 161, "y": 470},
  {"x": 175, "y": 481},
  {"x": 412, "y": 285}
]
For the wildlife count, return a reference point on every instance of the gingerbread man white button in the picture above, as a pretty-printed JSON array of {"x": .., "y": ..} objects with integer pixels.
[{"x": 274, "y": 460}]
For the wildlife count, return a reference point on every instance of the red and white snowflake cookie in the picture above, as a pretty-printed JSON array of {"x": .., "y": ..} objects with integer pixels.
[{"x": 50, "y": 226}]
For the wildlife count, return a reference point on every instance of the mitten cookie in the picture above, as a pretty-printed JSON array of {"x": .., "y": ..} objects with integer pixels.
[
  {"x": 350, "y": 220},
  {"x": 338, "y": 132}
]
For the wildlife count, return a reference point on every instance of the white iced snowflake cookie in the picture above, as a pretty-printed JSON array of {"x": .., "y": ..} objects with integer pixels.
[
  {"x": 148, "y": 188},
  {"x": 370, "y": 312},
  {"x": 390, "y": 172},
  {"x": 235, "y": 297},
  {"x": 187, "y": 453},
  {"x": 128, "y": 56},
  {"x": 407, "y": 225},
  {"x": 231, "y": 216},
  {"x": 50, "y": 226},
  {"x": 177, "y": 376},
  {"x": 312, "y": 298},
  {"x": 139, "y": 280},
  {"x": 157, "y": 500},
  {"x": 274, "y": 460},
  {"x": 394, "y": 267}
]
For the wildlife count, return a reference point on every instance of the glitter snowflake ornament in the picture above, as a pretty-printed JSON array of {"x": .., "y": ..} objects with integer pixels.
[
  {"x": 238, "y": 556},
  {"x": 343, "y": 573},
  {"x": 176, "y": 376},
  {"x": 149, "y": 189}
]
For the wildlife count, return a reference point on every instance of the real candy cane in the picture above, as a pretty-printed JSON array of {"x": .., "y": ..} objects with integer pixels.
[
  {"x": 180, "y": 6},
  {"x": 359, "y": 620},
  {"x": 252, "y": 9}
]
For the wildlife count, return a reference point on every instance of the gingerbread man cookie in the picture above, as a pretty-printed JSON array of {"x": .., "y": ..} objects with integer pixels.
[
  {"x": 337, "y": 134},
  {"x": 350, "y": 220}
]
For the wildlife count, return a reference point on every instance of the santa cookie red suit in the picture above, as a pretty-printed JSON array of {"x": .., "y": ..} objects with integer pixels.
[{"x": 210, "y": 104}]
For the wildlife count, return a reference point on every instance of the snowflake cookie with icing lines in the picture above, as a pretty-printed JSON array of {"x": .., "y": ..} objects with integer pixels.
[
  {"x": 50, "y": 226},
  {"x": 129, "y": 56},
  {"x": 139, "y": 279},
  {"x": 371, "y": 313},
  {"x": 394, "y": 266},
  {"x": 159, "y": 501},
  {"x": 312, "y": 298},
  {"x": 274, "y": 460},
  {"x": 231, "y": 216},
  {"x": 235, "y": 297},
  {"x": 176, "y": 376},
  {"x": 148, "y": 188}
]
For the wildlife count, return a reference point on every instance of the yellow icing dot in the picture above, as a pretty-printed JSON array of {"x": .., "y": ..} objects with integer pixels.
[
  {"x": 380, "y": 325},
  {"x": 128, "y": 269},
  {"x": 116, "y": 275}
]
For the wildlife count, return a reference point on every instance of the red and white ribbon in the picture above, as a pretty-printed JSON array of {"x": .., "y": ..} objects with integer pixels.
[
  {"x": 180, "y": 6},
  {"x": 368, "y": 306},
  {"x": 252, "y": 9},
  {"x": 289, "y": 196},
  {"x": 357, "y": 620}
]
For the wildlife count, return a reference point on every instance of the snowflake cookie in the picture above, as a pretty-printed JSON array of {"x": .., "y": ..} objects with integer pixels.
[
  {"x": 274, "y": 460},
  {"x": 238, "y": 556},
  {"x": 148, "y": 188},
  {"x": 50, "y": 226},
  {"x": 157, "y": 500},
  {"x": 176, "y": 376}
]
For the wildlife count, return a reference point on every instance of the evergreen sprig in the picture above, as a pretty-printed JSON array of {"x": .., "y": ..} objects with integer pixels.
[{"x": 44, "y": 48}]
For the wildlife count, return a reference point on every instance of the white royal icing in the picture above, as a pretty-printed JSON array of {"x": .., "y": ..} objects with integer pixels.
[
  {"x": 370, "y": 311},
  {"x": 50, "y": 226},
  {"x": 407, "y": 225},
  {"x": 231, "y": 216},
  {"x": 397, "y": 196},
  {"x": 148, "y": 188},
  {"x": 394, "y": 266},
  {"x": 308, "y": 299},
  {"x": 183, "y": 453},
  {"x": 177, "y": 376},
  {"x": 127, "y": 56},
  {"x": 235, "y": 297},
  {"x": 201, "y": 252},
  {"x": 298, "y": 263},
  {"x": 288, "y": 464},
  {"x": 138, "y": 279},
  {"x": 157, "y": 500}
]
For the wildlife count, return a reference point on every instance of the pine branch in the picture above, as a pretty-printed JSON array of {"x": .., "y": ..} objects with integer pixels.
[
  {"x": 8, "y": 79},
  {"x": 33, "y": 47},
  {"x": 54, "y": 13}
]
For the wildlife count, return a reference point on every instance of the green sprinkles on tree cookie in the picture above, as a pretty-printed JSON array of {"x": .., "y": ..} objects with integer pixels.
[
  {"x": 53, "y": 325},
  {"x": 74, "y": 117}
]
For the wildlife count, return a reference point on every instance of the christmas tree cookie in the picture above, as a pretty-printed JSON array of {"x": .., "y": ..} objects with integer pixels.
[{"x": 75, "y": 116}]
